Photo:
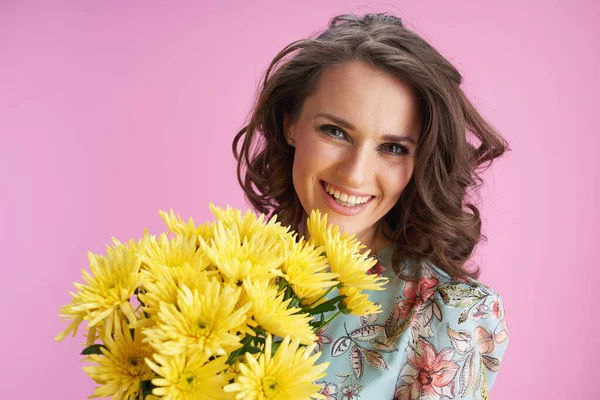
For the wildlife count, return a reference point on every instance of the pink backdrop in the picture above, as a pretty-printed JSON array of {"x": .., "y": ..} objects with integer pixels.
[{"x": 111, "y": 110}]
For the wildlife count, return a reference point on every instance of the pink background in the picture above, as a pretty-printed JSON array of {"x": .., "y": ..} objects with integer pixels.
[{"x": 112, "y": 110}]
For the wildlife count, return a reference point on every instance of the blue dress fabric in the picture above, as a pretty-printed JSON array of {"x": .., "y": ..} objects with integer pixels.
[{"x": 437, "y": 337}]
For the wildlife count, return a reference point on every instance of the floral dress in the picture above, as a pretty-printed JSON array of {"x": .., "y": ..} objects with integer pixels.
[{"x": 437, "y": 338}]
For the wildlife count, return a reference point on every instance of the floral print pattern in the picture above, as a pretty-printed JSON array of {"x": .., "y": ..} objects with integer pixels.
[
  {"x": 351, "y": 392},
  {"x": 329, "y": 390},
  {"x": 322, "y": 338},
  {"x": 428, "y": 373},
  {"x": 437, "y": 338}
]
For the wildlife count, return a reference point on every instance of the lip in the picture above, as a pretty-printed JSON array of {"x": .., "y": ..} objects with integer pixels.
[{"x": 340, "y": 209}]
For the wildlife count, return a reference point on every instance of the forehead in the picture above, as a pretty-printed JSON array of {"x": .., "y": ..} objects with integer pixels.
[{"x": 368, "y": 97}]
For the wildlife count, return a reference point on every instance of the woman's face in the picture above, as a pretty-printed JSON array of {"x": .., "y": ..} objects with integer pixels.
[{"x": 355, "y": 143}]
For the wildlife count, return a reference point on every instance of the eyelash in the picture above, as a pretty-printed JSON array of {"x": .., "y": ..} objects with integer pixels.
[{"x": 325, "y": 129}]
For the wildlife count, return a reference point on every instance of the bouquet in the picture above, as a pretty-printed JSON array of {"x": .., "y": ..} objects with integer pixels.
[{"x": 224, "y": 310}]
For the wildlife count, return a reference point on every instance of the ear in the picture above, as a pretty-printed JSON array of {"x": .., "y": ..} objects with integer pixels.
[{"x": 287, "y": 128}]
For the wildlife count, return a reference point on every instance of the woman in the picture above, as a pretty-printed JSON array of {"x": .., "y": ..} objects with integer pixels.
[{"x": 368, "y": 123}]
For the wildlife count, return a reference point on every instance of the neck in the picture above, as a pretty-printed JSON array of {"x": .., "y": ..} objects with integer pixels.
[{"x": 375, "y": 240}]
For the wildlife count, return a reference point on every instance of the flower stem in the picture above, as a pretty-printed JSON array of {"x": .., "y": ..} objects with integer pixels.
[{"x": 328, "y": 320}]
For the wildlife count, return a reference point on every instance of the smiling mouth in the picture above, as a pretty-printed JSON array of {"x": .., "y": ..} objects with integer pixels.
[{"x": 345, "y": 199}]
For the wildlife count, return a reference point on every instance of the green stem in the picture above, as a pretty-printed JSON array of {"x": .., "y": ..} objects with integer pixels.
[{"x": 328, "y": 320}]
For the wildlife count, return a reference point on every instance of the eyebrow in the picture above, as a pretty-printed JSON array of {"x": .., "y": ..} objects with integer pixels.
[{"x": 347, "y": 125}]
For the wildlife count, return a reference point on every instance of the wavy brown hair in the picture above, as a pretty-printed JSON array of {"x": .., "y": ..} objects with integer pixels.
[{"x": 433, "y": 219}]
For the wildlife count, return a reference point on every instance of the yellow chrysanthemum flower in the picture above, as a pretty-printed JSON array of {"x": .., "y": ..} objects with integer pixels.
[
  {"x": 288, "y": 375},
  {"x": 304, "y": 269},
  {"x": 351, "y": 267},
  {"x": 121, "y": 367},
  {"x": 190, "y": 377},
  {"x": 167, "y": 264},
  {"x": 92, "y": 334},
  {"x": 358, "y": 303},
  {"x": 204, "y": 320},
  {"x": 178, "y": 226},
  {"x": 173, "y": 252},
  {"x": 109, "y": 287},
  {"x": 249, "y": 224},
  {"x": 161, "y": 284},
  {"x": 319, "y": 232},
  {"x": 258, "y": 257},
  {"x": 271, "y": 313},
  {"x": 343, "y": 254}
]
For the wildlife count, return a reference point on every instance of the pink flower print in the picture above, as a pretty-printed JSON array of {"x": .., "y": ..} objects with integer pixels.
[
  {"x": 496, "y": 309},
  {"x": 416, "y": 294},
  {"x": 322, "y": 338},
  {"x": 350, "y": 392},
  {"x": 329, "y": 390},
  {"x": 377, "y": 269},
  {"x": 427, "y": 375}
]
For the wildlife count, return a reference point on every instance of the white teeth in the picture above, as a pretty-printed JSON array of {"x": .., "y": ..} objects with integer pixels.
[{"x": 344, "y": 198}]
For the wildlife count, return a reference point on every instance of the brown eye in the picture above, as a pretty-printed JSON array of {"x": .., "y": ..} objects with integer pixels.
[
  {"x": 395, "y": 149},
  {"x": 333, "y": 131}
]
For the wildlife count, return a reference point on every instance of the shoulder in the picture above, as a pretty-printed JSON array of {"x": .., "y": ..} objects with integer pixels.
[
  {"x": 469, "y": 305},
  {"x": 475, "y": 301},
  {"x": 458, "y": 323},
  {"x": 470, "y": 296}
]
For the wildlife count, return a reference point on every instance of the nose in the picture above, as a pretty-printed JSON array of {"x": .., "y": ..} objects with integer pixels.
[{"x": 355, "y": 167}]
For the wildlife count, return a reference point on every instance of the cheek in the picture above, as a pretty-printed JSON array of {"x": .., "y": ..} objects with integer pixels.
[
  {"x": 307, "y": 163},
  {"x": 393, "y": 184},
  {"x": 312, "y": 156},
  {"x": 301, "y": 169}
]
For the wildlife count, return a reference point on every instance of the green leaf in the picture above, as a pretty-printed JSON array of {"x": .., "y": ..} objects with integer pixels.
[
  {"x": 484, "y": 388},
  {"x": 147, "y": 387},
  {"x": 246, "y": 343},
  {"x": 258, "y": 341},
  {"x": 343, "y": 309},
  {"x": 93, "y": 349},
  {"x": 289, "y": 293},
  {"x": 253, "y": 350},
  {"x": 402, "y": 325},
  {"x": 329, "y": 305},
  {"x": 316, "y": 324},
  {"x": 463, "y": 316},
  {"x": 459, "y": 296}
]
